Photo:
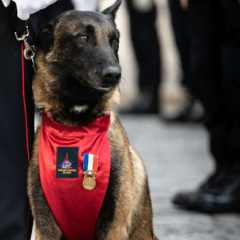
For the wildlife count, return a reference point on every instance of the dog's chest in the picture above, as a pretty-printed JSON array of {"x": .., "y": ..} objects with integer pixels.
[{"x": 74, "y": 165}]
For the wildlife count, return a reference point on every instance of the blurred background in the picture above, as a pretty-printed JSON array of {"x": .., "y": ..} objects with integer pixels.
[
  {"x": 171, "y": 90},
  {"x": 176, "y": 154}
]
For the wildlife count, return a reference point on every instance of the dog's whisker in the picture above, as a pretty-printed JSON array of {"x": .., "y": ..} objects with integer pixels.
[{"x": 124, "y": 83}]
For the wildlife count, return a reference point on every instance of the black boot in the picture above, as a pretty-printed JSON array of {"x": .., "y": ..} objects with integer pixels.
[{"x": 219, "y": 194}]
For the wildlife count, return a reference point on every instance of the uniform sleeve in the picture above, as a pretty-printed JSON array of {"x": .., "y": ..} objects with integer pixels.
[{"x": 27, "y": 7}]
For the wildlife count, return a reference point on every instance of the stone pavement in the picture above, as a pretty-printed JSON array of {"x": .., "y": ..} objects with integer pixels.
[{"x": 176, "y": 158}]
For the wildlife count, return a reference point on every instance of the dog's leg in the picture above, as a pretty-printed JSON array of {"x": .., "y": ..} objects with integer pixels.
[
  {"x": 118, "y": 233},
  {"x": 155, "y": 237},
  {"x": 45, "y": 224},
  {"x": 46, "y": 227},
  {"x": 121, "y": 232}
]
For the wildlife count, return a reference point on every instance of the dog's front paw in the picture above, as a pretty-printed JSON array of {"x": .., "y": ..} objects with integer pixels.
[{"x": 50, "y": 235}]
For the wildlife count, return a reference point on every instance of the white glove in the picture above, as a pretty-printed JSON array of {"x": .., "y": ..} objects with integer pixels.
[{"x": 27, "y": 7}]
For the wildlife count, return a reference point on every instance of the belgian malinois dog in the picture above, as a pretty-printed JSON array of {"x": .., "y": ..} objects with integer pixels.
[{"x": 76, "y": 85}]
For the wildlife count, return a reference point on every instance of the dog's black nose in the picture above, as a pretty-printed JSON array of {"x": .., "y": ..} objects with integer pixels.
[{"x": 111, "y": 73}]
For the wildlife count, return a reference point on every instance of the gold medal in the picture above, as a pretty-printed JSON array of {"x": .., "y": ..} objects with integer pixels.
[{"x": 89, "y": 181}]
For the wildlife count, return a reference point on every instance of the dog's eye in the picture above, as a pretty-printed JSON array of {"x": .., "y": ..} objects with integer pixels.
[
  {"x": 115, "y": 42},
  {"x": 84, "y": 38}
]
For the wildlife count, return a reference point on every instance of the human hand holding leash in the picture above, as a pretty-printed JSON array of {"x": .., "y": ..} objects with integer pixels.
[{"x": 184, "y": 4}]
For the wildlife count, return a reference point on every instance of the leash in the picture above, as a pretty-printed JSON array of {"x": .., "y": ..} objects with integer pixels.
[
  {"x": 29, "y": 51},
  {"x": 21, "y": 33}
]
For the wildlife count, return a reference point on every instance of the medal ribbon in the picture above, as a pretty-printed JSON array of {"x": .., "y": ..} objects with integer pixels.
[{"x": 90, "y": 162}]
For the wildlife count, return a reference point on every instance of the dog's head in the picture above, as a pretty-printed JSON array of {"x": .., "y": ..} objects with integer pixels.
[{"x": 77, "y": 64}]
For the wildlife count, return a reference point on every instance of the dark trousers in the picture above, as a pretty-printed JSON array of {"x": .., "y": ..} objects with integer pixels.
[
  {"x": 215, "y": 74},
  {"x": 146, "y": 46},
  {"x": 16, "y": 131},
  {"x": 52, "y": 11},
  {"x": 181, "y": 37}
]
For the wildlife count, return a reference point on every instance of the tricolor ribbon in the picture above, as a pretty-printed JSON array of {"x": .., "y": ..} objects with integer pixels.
[{"x": 90, "y": 162}]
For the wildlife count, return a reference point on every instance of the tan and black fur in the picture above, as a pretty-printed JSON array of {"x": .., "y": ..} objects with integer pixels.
[{"x": 76, "y": 81}]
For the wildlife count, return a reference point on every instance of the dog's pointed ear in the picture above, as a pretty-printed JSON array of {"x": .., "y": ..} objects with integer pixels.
[
  {"x": 45, "y": 36},
  {"x": 112, "y": 10}
]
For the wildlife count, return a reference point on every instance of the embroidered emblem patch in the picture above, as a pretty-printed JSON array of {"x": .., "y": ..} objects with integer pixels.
[{"x": 67, "y": 162}]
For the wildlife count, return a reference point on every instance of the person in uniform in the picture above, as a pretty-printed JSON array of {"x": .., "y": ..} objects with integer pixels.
[{"x": 17, "y": 115}]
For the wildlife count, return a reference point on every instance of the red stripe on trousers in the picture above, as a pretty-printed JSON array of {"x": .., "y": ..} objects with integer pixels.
[{"x": 26, "y": 122}]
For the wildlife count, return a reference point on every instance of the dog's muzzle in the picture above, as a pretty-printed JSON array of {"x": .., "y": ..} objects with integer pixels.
[{"x": 111, "y": 75}]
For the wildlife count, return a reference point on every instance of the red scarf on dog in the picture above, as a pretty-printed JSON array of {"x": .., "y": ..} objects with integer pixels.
[{"x": 62, "y": 153}]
